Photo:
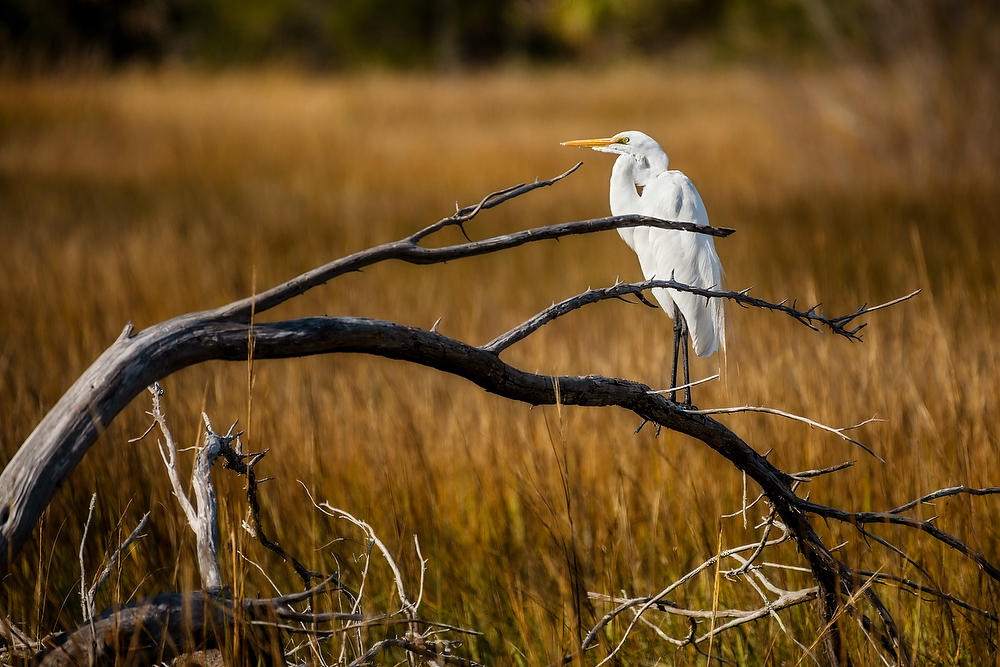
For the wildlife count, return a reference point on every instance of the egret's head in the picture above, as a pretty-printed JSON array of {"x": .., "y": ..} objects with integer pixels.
[{"x": 648, "y": 155}]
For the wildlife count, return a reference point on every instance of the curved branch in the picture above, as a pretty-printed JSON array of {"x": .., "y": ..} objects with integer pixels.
[
  {"x": 161, "y": 627},
  {"x": 810, "y": 317},
  {"x": 944, "y": 493},
  {"x": 407, "y": 251},
  {"x": 894, "y": 517},
  {"x": 132, "y": 363},
  {"x": 464, "y": 215}
]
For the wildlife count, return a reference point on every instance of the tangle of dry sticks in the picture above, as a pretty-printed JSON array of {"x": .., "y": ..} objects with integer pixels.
[{"x": 172, "y": 624}]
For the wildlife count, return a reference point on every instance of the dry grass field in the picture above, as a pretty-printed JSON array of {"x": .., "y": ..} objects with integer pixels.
[{"x": 142, "y": 196}]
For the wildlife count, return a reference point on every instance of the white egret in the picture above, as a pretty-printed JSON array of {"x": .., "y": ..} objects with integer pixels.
[{"x": 641, "y": 184}]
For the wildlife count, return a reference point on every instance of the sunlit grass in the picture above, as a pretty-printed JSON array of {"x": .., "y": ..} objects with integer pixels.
[{"x": 143, "y": 196}]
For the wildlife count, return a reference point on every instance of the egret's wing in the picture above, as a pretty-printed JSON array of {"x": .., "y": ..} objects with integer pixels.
[{"x": 682, "y": 256}]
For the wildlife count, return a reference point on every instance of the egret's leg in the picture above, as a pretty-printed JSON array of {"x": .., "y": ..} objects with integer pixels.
[
  {"x": 678, "y": 328},
  {"x": 687, "y": 373}
]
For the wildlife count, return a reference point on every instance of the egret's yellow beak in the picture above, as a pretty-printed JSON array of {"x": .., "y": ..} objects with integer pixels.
[{"x": 592, "y": 143}]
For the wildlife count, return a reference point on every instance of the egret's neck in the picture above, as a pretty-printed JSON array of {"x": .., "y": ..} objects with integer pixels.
[{"x": 624, "y": 198}]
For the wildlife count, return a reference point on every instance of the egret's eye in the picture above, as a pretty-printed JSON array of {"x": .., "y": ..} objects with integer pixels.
[{"x": 623, "y": 140}]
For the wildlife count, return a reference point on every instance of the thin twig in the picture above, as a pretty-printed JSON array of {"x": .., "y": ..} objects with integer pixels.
[
  {"x": 657, "y": 600},
  {"x": 88, "y": 611},
  {"x": 943, "y": 493},
  {"x": 170, "y": 456},
  {"x": 808, "y": 475},
  {"x": 839, "y": 432},
  {"x": 136, "y": 534},
  {"x": 685, "y": 386},
  {"x": 463, "y": 215}
]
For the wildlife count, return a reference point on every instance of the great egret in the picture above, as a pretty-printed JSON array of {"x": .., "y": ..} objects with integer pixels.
[{"x": 642, "y": 184}]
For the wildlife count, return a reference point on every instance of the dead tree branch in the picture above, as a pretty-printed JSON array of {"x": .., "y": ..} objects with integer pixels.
[
  {"x": 201, "y": 517},
  {"x": 894, "y": 516},
  {"x": 161, "y": 627},
  {"x": 858, "y": 583},
  {"x": 164, "y": 626},
  {"x": 839, "y": 432},
  {"x": 810, "y": 317}
]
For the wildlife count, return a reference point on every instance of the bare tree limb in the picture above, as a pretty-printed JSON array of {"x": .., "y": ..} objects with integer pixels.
[
  {"x": 464, "y": 215},
  {"x": 943, "y": 493},
  {"x": 658, "y": 601},
  {"x": 810, "y": 317},
  {"x": 246, "y": 464},
  {"x": 228, "y": 340},
  {"x": 88, "y": 610},
  {"x": 421, "y": 648},
  {"x": 925, "y": 525},
  {"x": 839, "y": 432},
  {"x": 171, "y": 624},
  {"x": 201, "y": 517},
  {"x": 164, "y": 626},
  {"x": 408, "y": 250}
]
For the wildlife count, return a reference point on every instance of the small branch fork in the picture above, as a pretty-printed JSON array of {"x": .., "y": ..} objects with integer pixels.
[{"x": 201, "y": 516}]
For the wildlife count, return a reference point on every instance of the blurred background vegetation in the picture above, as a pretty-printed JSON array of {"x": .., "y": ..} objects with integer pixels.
[{"x": 323, "y": 35}]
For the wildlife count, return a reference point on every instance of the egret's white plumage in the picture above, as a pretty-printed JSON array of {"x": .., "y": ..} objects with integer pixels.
[{"x": 666, "y": 253}]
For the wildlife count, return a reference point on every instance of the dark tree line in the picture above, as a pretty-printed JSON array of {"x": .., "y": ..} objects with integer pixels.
[{"x": 339, "y": 34}]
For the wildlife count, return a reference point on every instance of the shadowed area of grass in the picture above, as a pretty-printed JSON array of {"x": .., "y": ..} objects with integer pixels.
[{"x": 146, "y": 195}]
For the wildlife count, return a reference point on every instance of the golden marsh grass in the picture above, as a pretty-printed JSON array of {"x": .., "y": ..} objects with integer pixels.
[{"x": 145, "y": 195}]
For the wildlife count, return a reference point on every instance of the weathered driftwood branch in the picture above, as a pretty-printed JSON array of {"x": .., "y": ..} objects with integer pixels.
[
  {"x": 136, "y": 360},
  {"x": 660, "y": 603},
  {"x": 159, "y": 628},
  {"x": 201, "y": 516}
]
